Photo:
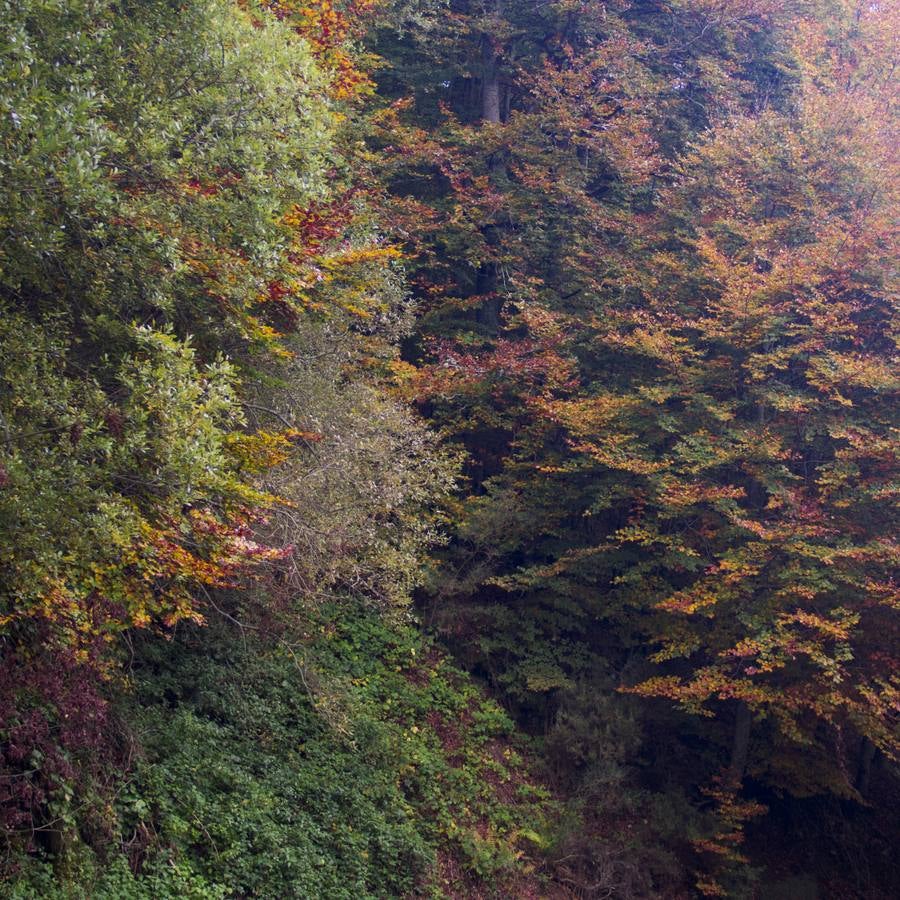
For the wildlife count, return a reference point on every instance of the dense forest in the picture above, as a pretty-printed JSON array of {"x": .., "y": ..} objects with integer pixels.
[{"x": 449, "y": 448}]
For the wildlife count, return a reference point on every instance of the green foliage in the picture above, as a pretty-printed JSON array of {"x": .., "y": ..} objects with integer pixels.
[
  {"x": 111, "y": 879},
  {"x": 82, "y": 474},
  {"x": 366, "y": 499},
  {"x": 175, "y": 193},
  {"x": 149, "y": 153},
  {"x": 337, "y": 767},
  {"x": 656, "y": 281},
  {"x": 650, "y": 252}
]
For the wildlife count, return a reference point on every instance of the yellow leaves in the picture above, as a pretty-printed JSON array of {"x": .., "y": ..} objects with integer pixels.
[
  {"x": 706, "y": 683},
  {"x": 866, "y": 442},
  {"x": 388, "y": 117},
  {"x": 655, "y": 341},
  {"x": 636, "y": 534},
  {"x": 266, "y": 449},
  {"x": 684, "y": 493},
  {"x": 731, "y": 570},
  {"x": 789, "y": 402},
  {"x": 700, "y": 596},
  {"x": 259, "y": 332},
  {"x": 401, "y": 370},
  {"x": 680, "y": 643},
  {"x": 591, "y": 414},
  {"x": 350, "y": 279},
  {"x": 727, "y": 580},
  {"x": 830, "y": 370},
  {"x": 329, "y": 31},
  {"x": 837, "y": 628},
  {"x": 58, "y": 602},
  {"x": 672, "y": 688},
  {"x": 167, "y": 560},
  {"x": 656, "y": 393},
  {"x": 357, "y": 256},
  {"x": 141, "y": 619},
  {"x": 703, "y": 450},
  {"x": 647, "y": 536},
  {"x": 592, "y": 422},
  {"x": 613, "y": 453}
]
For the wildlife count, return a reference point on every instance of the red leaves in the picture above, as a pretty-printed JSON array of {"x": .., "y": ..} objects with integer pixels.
[
  {"x": 222, "y": 180},
  {"x": 320, "y": 223},
  {"x": 54, "y": 734},
  {"x": 221, "y": 553},
  {"x": 731, "y": 815},
  {"x": 115, "y": 423}
]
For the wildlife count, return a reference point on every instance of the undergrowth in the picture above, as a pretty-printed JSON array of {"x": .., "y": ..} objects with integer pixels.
[{"x": 357, "y": 763}]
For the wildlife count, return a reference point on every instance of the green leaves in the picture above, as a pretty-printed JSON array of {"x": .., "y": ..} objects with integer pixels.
[{"x": 250, "y": 784}]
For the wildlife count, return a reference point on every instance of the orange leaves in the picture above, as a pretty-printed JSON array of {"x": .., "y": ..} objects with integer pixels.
[
  {"x": 731, "y": 815},
  {"x": 698, "y": 597},
  {"x": 617, "y": 452},
  {"x": 654, "y": 339},
  {"x": 833, "y": 371},
  {"x": 534, "y": 365},
  {"x": 755, "y": 668},
  {"x": 704, "y": 387},
  {"x": 219, "y": 554},
  {"x": 328, "y": 271},
  {"x": 153, "y": 577},
  {"x": 171, "y": 564},
  {"x": 595, "y": 101},
  {"x": 680, "y": 493},
  {"x": 358, "y": 256},
  {"x": 318, "y": 224},
  {"x": 691, "y": 693},
  {"x": 211, "y": 187},
  {"x": 330, "y": 28}
]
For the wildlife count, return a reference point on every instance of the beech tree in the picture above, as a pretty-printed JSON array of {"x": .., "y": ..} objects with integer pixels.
[
  {"x": 635, "y": 263},
  {"x": 680, "y": 412},
  {"x": 781, "y": 330}
]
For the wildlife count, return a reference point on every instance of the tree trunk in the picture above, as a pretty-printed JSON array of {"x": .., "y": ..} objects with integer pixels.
[
  {"x": 489, "y": 313},
  {"x": 490, "y": 81},
  {"x": 864, "y": 766},
  {"x": 740, "y": 744}
]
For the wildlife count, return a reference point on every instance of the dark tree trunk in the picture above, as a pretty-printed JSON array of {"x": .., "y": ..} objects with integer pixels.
[
  {"x": 489, "y": 313},
  {"x": 864, "y": 766},
  {"x": 740, "y": 744}
]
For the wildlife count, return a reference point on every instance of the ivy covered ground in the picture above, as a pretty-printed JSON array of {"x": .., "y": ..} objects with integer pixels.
[{"x": 358, "y": 762}]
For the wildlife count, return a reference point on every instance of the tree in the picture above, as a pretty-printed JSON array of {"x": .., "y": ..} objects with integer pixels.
[
  {"x": 783, "y": 323},
  {"x": 177, "y": 200},
  {"x": 681, "y": 427}
]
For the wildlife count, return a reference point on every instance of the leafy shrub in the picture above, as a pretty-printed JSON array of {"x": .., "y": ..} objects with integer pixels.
[{"x": 340, "y": 766}]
